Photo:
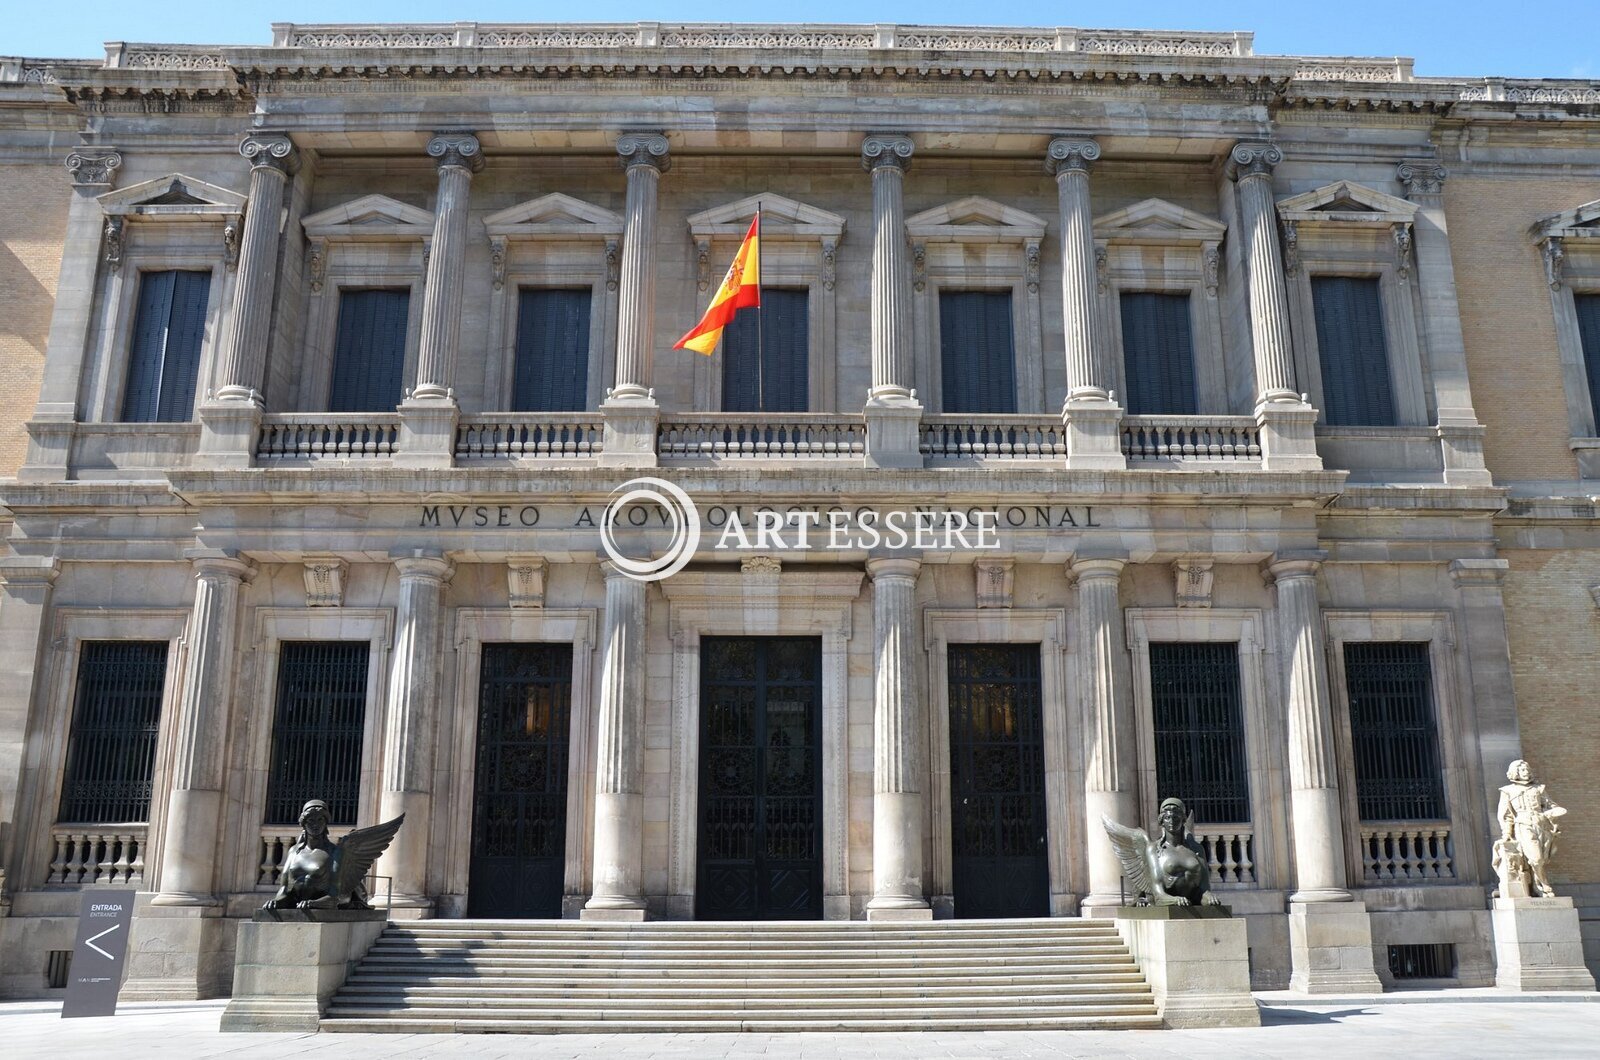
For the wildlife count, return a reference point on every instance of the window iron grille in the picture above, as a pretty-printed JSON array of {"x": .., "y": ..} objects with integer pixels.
[
  {"x": 317, "y": 731},
  {"x": 1393, "y": 734},
  {"x": 111, "y": 752},
  {"x": 57, "y": 969},
  {"x": 1199, "y": 729},
  {"x": 1430, "y": 960}
]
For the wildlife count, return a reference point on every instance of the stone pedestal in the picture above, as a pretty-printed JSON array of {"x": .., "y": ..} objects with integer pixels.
[
  {"x": 228, "y": 431},
  {"x": 285, "y": 971},
  {"x": 178, "y": 953},
  {"x": 1330, "y": 949},
  {"x": 893, "y": 434},
  {"x": 427, "y": 431},
  {"x": 630, "y": 431},
  {"x": 1537, "y": 945},
  {"x": 1197, "y": 962},
  {"x": 1094, "y": 428},
  {"x": 1288, "y": 436}
]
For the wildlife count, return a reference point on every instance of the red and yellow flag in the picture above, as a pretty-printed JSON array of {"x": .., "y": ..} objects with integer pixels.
[{"x": 740, "y": 288}]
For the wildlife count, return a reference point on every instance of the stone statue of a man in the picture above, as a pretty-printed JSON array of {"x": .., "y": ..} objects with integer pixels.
[{"x": 1528, "y": 833}]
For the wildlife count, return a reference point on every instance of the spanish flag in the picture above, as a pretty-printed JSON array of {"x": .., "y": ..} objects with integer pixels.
[{"x": 740, "y": 288}]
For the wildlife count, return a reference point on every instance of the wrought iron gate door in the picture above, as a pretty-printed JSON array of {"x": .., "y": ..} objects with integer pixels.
[
  {"x": 997, "y": 828},
  {"x": 519, "y": 812},
  {"x": 760, "y": 779}
]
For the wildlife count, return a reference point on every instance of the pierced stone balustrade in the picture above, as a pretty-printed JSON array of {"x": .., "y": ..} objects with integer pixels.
[
  {"x": 328, "y": 435},
  {"x": 1191, "y": 438},
  {"x": 1407, "y": 852},
  {"x": 979, "y": 438},
  {"x": 529, "y": 435},
  {"x": 715, "y": 437},
  {"x": 1230, "y": 851},
  {"x": 100, "y": 855}
]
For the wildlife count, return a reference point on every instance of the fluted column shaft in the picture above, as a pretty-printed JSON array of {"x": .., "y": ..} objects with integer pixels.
[
  {"x": 1069, "y": 159},
  {"x": 1313, "y": 766},
  {"x": 194, "y": 809},
  {"x": 887, "y": 158},
  {"x": 897, "y": 727},
  {"x": 411, "y": 721},
  {"x": 619, "y": 798},
  {"x": 1110, "y": 784},
  {"x": 459, "y": 156},
  {"x": 644, "y": 158},
  {"x": 1251, "y": 166},
  {"x": 242, "y": 357}
]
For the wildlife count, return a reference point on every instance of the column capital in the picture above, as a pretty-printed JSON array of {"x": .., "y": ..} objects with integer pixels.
[
  {"x": 217, "y": 563},
  {"x": 1070, "y": 154},
  {"x": 1302, "y": 563},
  {"x": 273, "y": 151},
  {"x": 1092, "y": 567},
  {"x": 887, "y": 568},
  {"x": 644, "y": 149},
  {"x": 1253, "y": 158},
  {"x": 1421, "y": 177},
  {"x": 886, "y": 149},
  {"x": 94, "y": 167},
  {"x": 422, "y": 563},
  {"x": 460, "y": 149}
]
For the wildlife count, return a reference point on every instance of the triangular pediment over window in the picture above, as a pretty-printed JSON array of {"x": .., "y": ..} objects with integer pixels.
[
  {"x": 1158, "y": 222},
  {"x": 781, "y": 218},
  {"x": 555, "y": 216},
  {"x": 375, "y": 217},
  {"x": 1346, "y": 202},
  {"x": 975, "y": 219},
  {"x": 174, "y": 197},
  {"x": 1582, "y": 222}
]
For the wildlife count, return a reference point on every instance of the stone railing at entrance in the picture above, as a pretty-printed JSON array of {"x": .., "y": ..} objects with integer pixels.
[
  {"x": 100, "y": 855},
  {"x": 978, "y": 438},
  {"x": 1230, "y": 851},
  {"x": 327, "y": 435},
  {"x": 1409, "y": 851},
  {"x": 529, "y": 435},
  {"x": 720, "y": 436},
  {"x": 1191, "y": 438}
]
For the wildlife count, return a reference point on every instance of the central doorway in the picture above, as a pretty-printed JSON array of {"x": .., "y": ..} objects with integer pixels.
[
  {"x": 760, "y": 812},
  {"x": 519, "y": 809}
]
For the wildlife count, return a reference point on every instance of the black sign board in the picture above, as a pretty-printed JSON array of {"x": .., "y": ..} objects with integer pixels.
[{"x": 97, "y": 956}]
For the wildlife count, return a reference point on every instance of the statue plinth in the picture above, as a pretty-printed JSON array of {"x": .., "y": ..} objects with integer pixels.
[
  {"x": 1537, "y": 945},
  {"x": 1196, "y": 959},
  {"x": 1174, "y": 912},
  {"x": 319, "y": 916}
]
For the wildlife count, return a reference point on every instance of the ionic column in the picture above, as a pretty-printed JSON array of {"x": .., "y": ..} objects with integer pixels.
[
  {"x": 411, "y": 719},
  {"x": 1109, "y": 732},
  {"x": 619, "y": 797},
  {"x": 458, "y": 156},
  {"x": 630, "y": 409},
  {"x": 892, "y": 410},
  {"x": 189, "y": 849},
  {"x": 242, "y": 355},
  {"x": 897, "y": 730},
  {"x": 93, "y": 172}
]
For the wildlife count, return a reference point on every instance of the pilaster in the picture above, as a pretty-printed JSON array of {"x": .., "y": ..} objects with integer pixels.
[
  {"x": 893, "y": 414},
  {"x": 26, "y": 585},
  {"x": 1480, "y": 586}
]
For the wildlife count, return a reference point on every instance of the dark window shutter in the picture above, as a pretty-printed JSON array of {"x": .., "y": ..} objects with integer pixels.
[
  {"x": 317, "y": 733},
  {"x": 552, "y": 350},
  {"x": 369, "y": 353},
  {"x": 1588, "y": 307},
  {"x": 784, "y": 347},
  {"x": 1393, "y": 735},
  {"x": 111, "y": 751},
  {"x": 169, "y": 326},
  {"x": 1356, "y": 388},
  {"x": 1158, "y": 354},
  {"x": 975, "y": 350},
  {"x": 1199, "y": 729}
]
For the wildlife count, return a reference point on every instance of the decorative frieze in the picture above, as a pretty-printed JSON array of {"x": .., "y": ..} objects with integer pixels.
[
  {"x": 995, "y": 579},
  {"x": 525, "y": 577},
  {"x": 1193, "y": 579},
  {"x": 324, "y": 577}
]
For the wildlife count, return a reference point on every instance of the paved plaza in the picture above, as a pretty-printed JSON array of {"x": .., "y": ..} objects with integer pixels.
[{"x": 1321, "y": 1031}]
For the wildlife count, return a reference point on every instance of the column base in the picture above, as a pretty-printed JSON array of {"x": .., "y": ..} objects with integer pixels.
[
  {"x": 406, "y": 906},
  {"x": 1330, "y": 949},
  {"x": 178, "y": 953},
  {"x": 1461, "y": 444},
  {"x": 1288, "y": 436},
  {"x": 49, "y": 449},
  {"x": 228, "y": 432},
  {"x": 899, "y": 909},
  {"x": 1094, "y": 434},
  {"x": 1197, "y": 962},
  {"x": 894, "y": 432},
  {"x": 427, "y": 431},
  {"x": 1537, "y": 945},
  {"x": 1101, "y": 906},
  {"x": 630, "y": 430},
  {"x": 616, "y": 910}
]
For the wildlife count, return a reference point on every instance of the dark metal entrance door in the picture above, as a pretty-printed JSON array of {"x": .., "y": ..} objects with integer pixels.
[
  {"x": 997, "y": 828},
  {"x": 760, "y": 820},
  {"x": 519, "y": 812}
]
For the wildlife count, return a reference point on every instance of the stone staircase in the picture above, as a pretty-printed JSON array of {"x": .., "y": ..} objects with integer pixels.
[{"x": 546, "y": 976}]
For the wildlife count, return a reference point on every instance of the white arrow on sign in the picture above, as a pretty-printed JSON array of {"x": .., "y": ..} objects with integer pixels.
[{"x": 89, "y": 942}]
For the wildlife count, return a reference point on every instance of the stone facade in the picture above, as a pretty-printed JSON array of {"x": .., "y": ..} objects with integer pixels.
[{"x": 890, "y": 163}]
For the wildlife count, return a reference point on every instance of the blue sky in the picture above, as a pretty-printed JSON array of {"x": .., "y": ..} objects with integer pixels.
[{"x": 1548, "y": 38}]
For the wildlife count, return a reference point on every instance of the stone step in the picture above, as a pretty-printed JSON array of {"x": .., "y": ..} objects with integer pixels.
[
  {"x": 420, "y": 980},
  {"x": 813, "y": 927},
  {"x": 556, "y": 929},
  {"x": 753, "y": 952},
  {"x": 475, "y": 997},
  {"x": 646, "y": 963},
  {"x": 813, "y": 1014},
  {"x": 404, "y": 1025}
]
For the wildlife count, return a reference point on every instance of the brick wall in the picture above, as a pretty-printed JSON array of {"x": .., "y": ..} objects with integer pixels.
[{"x": 33, "y": 218}]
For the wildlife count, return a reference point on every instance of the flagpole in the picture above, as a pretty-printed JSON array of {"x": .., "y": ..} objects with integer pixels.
[{"x": 761, "y": 326}]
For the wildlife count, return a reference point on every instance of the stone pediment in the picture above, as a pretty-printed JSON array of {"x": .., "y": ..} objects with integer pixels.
[
  {"x": 1582, "y": 222},
  {"x": 174, "y": 197},
  {"x": 1346, "y": 202},
  {"x": 554, "y": 216},
  {"x": 371, "y": 217},
  {"x": 781, "y": 218},
  {"x": 975, "y": 219},
  {"x": 1158, "y": 222}
]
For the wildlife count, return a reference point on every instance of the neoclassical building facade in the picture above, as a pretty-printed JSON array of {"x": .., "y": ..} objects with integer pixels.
[{"x": 328, "y": 359}]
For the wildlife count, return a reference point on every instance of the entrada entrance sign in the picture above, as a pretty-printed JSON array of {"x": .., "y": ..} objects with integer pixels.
[{"x": 97, "y": 954}]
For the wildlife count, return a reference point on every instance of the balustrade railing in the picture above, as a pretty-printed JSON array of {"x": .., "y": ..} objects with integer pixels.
[
  {"x": 1230, "y": 851},
  {"x": 716, "y": 436},
  {"x": 327, "y": 435},
  {"x": 978, "y": 437},
  {"x": 1416, "y": 850},
  {"x": 1191, "y": 438},
  {"x": 275, "y": 843},
  {"x": 97, "y": 855},
  {"x": 530, "y": 435}
]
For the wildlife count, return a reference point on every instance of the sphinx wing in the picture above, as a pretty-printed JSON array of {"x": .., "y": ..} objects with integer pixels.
[
  {"x": 358, "y": 850},
  {"x": 1133, "y": 851}
]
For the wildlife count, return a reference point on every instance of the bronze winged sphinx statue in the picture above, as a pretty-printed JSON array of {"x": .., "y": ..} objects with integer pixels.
[
  {"x": 1171, "y": 870},
  {"x": 321, "y": 874}
]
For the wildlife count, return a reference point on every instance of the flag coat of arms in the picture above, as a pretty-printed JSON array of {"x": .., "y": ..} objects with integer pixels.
[{"x": 740, "y": 288}]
